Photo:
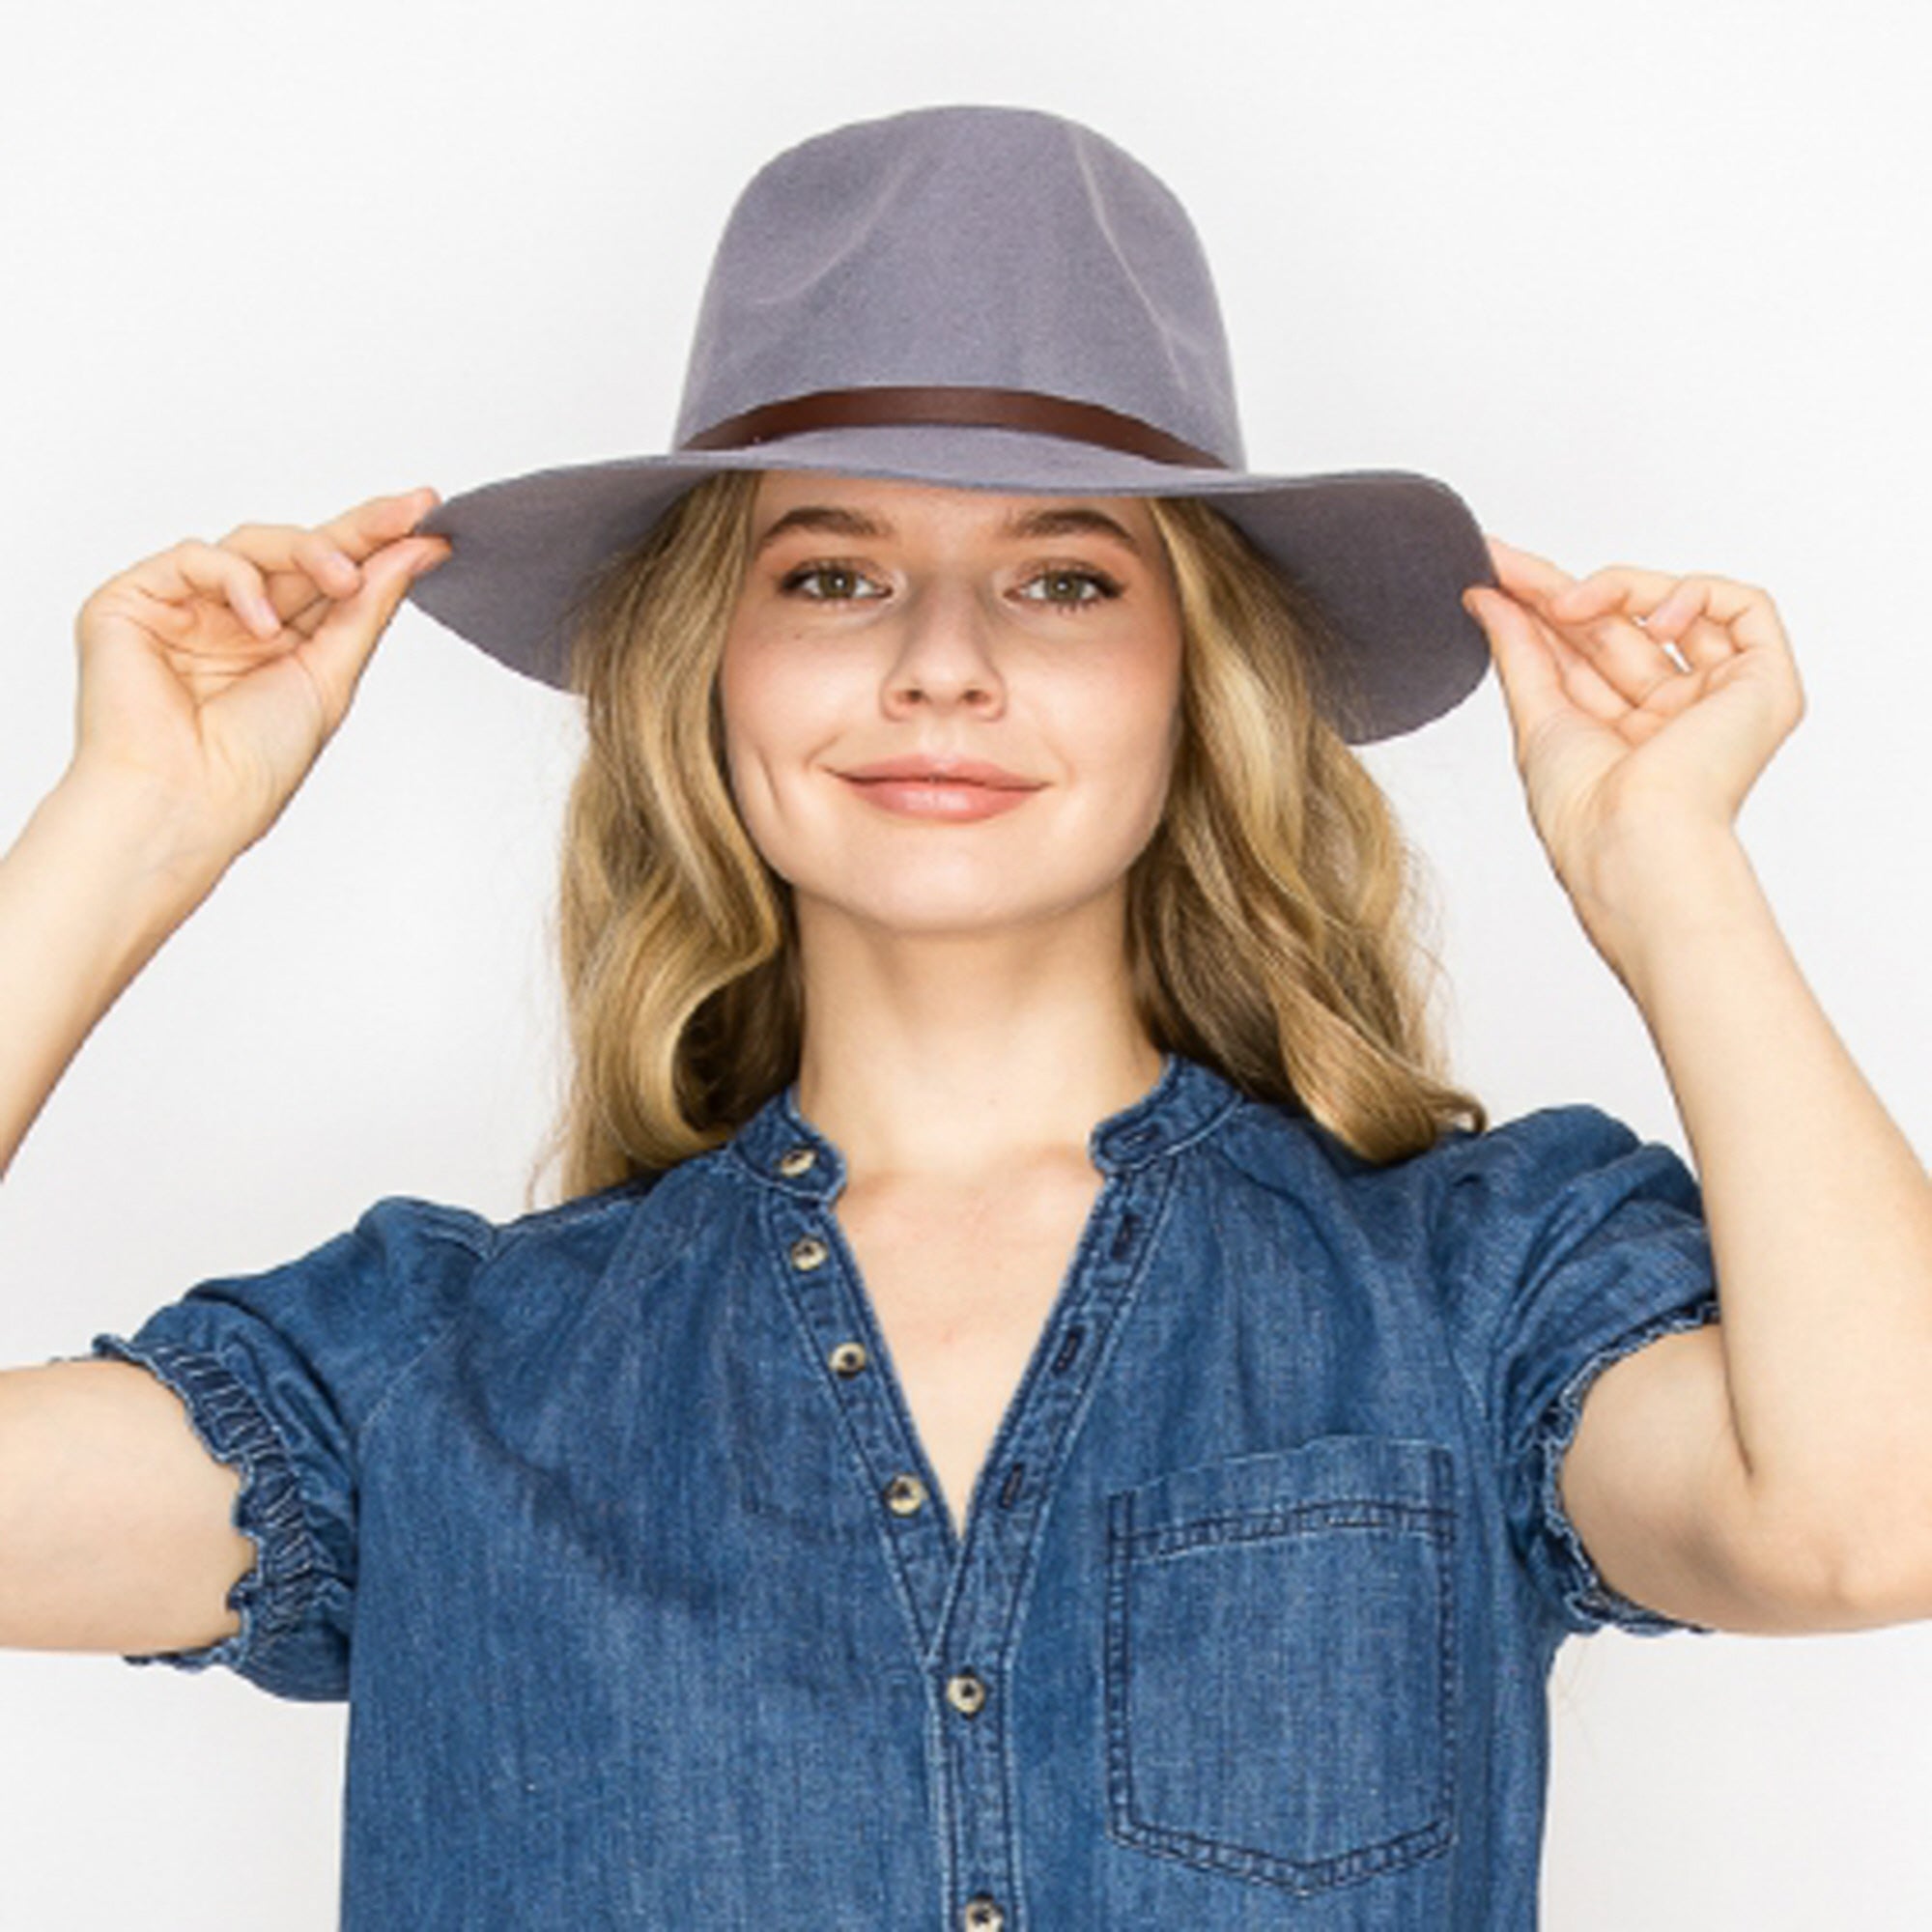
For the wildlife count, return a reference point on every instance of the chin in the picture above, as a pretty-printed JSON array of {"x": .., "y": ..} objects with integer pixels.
[{"x": 957, "y": 907}]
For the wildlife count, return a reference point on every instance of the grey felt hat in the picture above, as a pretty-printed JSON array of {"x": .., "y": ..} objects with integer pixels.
[{"x": 989, "y": 298}]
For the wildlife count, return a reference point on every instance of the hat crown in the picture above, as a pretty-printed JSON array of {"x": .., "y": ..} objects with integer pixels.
[{"x": 980, "y": 246}]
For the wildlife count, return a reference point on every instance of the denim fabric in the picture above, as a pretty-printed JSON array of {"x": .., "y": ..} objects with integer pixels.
[{"x": 635, "y": 1576}]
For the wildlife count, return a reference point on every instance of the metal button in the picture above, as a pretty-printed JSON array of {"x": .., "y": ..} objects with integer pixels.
[
  {"x": 848, "y": 1359},
  {"x": 965, "y": 1692},
  {"x": 795, "y": 1160},
  {"x": 905, "y": 1494},
  {"x": 982, "y": 1913},
  {"x": 809, "y": 1252}
]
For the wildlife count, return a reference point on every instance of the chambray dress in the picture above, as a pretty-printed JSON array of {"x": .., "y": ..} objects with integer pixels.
[{"x": 610, "y": 1523}]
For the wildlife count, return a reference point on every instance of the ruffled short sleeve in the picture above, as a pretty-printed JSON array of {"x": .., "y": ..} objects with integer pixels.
[
  {"x": 280, "y": 1373},
  {"x": 1565, "y": 1243}
]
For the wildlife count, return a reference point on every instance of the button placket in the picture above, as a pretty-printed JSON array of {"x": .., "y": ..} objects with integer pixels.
[
  {"x": 1110, "y": 1265},
  {"x": 834, "y": 1324},
  {"x": 958, "y": 1590}
]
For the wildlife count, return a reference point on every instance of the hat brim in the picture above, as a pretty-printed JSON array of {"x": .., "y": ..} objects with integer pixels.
[{"x": 1385, "y": 553}]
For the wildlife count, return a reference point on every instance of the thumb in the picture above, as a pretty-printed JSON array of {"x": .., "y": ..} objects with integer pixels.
[
  {"x": 1532, "y": 687},
  {"x": 339, "y": 650}
]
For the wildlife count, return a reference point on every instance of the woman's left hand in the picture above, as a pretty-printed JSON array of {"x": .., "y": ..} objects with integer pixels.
[{"x": 1617, "y": 743}]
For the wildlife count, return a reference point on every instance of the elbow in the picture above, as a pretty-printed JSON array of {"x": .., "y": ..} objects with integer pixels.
[
  {"x": 1871, "y": 1563},
  {"x": 1882, "y": 1589}
]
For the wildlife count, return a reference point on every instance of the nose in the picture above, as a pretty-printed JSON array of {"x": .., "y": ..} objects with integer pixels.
[{"x": 946, "y": 652}]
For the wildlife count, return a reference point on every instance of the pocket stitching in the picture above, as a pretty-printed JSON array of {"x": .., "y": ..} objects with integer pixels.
[{"x": 1127, "y": 1546}]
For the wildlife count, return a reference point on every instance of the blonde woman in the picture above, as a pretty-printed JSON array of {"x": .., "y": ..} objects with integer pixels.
[{"x": 1038, "y": 1403}]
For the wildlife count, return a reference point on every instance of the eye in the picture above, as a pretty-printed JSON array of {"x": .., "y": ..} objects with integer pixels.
[
  {"x": 1101, "y": 585},
  {"x": 838, "y": 583},
  {"x": 794, "y": 581}
]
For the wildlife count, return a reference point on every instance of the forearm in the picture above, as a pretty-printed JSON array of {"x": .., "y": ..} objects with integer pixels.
[
  {"x": 95, "y": 881},
  {"x": 1819, "y": 1211}
]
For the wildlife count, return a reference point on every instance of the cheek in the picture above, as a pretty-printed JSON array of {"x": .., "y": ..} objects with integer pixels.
[
  {"x": 1122, "y": 726},
  {"x": 762, "y": 689},
  {"x": 779, "y": 710}
]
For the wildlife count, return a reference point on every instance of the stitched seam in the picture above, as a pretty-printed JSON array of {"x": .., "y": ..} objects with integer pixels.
[
  {"x": 1262, "y": 1524},
  {"x": 273, "y": 1595},
  {"x": 1585, "y": 1593},
  {"x": 1124, "y": 1543},
  {"x": 482, "y": 1254}
]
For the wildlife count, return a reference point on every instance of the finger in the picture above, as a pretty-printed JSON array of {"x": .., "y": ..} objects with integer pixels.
[
  {"x": 1709, "y": 618},
  {"x": 1532, "y": 685},
  {"x": 361, "y": 530},
  {"x": 1603, "y": 615},
  {"x": 1620, "y": 643},
  {"x": 412, "y": 559},
  {"x": 1524, "y": 570},
  {"x": 1649, "y": 597},
  {"x": 1703, "y": 606},
  {"x": 1543, "y": 675},
  {"x": 1646, "y": 669},
  {"x": 1722, "y": 597},
  {"x": 1605, "y": 685},
  {"x": 193, "y": 568},
  {"x": 326, "y": 561},
  {"x": 1586, "y": 680},
  {"x": 1645, "y": 677},
  {"x": 346, "y": 633},
  {"x": 369, "y": 526},
  {"x": 1619, "y": 646},
  {"x": 300, "y": 570}
]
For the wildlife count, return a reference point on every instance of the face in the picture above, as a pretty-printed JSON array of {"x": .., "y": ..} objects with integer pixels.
[{"x": 883, "y": 620}]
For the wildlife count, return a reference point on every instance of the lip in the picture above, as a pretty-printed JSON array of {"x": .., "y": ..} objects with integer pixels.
[
  {"x": 942, "y": 802},
  {"x": 950, "y": 771}
]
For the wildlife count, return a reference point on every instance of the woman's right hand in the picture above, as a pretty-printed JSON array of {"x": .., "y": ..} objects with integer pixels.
[{"x": 213, "y": 674}]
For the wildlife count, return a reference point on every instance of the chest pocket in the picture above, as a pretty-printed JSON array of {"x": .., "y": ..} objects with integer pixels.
[{"x": 1279, "y": 1669}]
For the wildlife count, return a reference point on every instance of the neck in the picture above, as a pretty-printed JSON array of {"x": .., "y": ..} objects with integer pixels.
[{"x": 965, "y": 1058}]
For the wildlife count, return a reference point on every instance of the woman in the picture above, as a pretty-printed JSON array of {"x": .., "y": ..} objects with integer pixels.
[{"x": 1038, "y": 1405}]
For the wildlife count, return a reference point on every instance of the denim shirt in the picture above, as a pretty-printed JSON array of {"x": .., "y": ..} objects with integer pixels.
[{"x": 612, "y": 1525}]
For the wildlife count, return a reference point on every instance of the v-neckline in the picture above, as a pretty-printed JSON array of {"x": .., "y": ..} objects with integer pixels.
[{"x": 906, "y": 1373}]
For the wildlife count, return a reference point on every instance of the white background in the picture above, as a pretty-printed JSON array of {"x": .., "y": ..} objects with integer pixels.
[{"x": 1645, "y": 283}]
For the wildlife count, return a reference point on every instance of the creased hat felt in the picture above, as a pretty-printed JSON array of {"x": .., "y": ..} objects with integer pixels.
[{"x": 987, "y": 298}]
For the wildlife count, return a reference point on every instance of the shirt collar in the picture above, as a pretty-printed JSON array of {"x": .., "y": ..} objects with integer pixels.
[{"x": 782, "y": 1147}]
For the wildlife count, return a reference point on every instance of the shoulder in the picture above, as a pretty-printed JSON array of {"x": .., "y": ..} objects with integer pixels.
[
  {"x": 409, "y": 1265},
  {"x": 634, "y": 1226},
  {"x": 1568, "y": 1161},
  {"x": 1279, "y": 1148},
  {"x": 1572, "y": 1159}
]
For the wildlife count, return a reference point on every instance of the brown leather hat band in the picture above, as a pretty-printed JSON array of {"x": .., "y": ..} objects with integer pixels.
[{"x": 1027, "y": 409}]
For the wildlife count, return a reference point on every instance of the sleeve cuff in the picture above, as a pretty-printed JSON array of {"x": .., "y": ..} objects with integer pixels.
[
  {"x": 276, "y": 1591},
  {"x": 1588, "y": 1602}
]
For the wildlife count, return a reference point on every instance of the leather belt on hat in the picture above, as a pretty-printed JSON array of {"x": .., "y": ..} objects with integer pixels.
[{"x": 987, "y": 409}]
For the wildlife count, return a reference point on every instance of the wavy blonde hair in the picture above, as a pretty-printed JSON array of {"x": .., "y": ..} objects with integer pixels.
[{"x": 1272, "y": 920}]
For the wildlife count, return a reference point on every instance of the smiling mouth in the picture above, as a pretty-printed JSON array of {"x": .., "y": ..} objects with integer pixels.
[
  {"x": 939, "y": 780},
  {"x": 941, "y": 800}
]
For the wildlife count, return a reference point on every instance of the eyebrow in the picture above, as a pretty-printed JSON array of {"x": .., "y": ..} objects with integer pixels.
[{"x": 1021, "y": 524}]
